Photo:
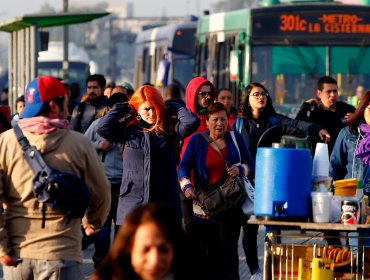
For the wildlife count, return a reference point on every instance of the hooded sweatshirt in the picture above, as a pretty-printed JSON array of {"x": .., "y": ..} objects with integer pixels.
[
  {"x": 21, "y": 218},
  {"x": 191, "y": 99}
]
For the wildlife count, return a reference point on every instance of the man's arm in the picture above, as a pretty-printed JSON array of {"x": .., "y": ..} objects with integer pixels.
[
  {"x": 77, "y": 115},
  {"x": 99, "y": 188},
  {"x": 303, "y": 114}
]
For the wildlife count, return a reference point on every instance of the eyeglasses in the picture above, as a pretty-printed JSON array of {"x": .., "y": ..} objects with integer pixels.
[
  {"x": 258, "y": 94},
  {"x": 204, "y": 94}
]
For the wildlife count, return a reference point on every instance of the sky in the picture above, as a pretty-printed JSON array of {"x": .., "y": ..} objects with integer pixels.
[{"x": 12, "y": 9}]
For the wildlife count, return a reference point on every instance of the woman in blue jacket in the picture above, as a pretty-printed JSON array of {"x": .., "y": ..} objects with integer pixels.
[
  {"x": 149, "y": 131},
  {"x": 215, "y": 242}
]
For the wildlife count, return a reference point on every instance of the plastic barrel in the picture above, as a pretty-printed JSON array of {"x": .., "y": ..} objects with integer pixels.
[{"x": 283, "y": 182}]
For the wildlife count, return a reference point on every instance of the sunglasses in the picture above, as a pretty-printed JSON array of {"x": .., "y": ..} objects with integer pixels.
[{"x": 203, "y": 94}]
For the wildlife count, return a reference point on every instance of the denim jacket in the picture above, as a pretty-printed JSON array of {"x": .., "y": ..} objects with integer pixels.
[{"x": 343, "y": 162}]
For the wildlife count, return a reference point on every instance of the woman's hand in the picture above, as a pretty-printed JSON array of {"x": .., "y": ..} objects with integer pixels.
[
  {"x": 348, "y": 116},
  {"x": 190, "y": 193},
  {"x": 233, "y": 171}
]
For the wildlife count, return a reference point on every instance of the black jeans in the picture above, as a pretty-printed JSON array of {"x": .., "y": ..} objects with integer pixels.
[
  {"x": 215, "y": 246},
  {"x": 249, "y": 241}
]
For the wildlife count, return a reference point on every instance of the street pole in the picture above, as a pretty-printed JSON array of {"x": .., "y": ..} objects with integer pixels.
[{"x": 65, "y": 45}]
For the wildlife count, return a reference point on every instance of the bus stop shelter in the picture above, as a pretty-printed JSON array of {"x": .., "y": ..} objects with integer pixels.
[{"x": 25, "y": 43}]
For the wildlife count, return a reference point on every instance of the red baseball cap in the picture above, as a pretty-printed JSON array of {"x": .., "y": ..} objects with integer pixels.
[{"x": 38, "y": 91}]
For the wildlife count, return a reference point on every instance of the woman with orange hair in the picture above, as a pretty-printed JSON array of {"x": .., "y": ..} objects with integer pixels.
[{"x": 148, "y": 129}]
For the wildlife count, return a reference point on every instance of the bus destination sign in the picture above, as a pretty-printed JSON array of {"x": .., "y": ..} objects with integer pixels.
[
  {"x": 312, "y": 23},
  {"x": 326, "y": 23}
]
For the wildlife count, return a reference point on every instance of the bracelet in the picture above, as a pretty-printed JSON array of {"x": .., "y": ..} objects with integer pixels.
[
  {"x": 187, "y": 187},
  {"x": 184, "y": 182}
]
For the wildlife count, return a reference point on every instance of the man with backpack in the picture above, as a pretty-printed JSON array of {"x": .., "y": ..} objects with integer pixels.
[
  {"x": 85, "y": 112},
  {"x": 37, "y": 239}
]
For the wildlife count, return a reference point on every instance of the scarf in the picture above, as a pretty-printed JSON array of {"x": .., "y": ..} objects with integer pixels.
[
  {"x": 42, "y": 125},
  {"x": 363, "y": 149}
]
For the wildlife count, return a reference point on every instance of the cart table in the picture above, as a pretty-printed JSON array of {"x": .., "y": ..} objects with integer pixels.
[{"x": 291, "y": 251}]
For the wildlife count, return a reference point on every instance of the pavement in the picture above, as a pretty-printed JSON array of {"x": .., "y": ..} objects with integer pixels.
[{"x": 88, "y": 266}]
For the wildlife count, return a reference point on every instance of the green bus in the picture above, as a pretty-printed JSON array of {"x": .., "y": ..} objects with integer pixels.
[{"x": 287, "y": 47}]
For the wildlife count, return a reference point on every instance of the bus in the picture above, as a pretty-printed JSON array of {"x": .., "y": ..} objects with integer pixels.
[
  {"x": 286, "y": 47},
  {"x": 50, "y": 62},
  {"x": 165, "y": 55}
]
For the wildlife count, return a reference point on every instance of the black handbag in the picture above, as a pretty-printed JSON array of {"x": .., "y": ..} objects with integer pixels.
[{"x": 228, "y": 192}]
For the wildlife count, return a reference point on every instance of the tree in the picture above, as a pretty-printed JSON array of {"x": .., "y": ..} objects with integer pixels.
[{"x": 47, "y": 9}]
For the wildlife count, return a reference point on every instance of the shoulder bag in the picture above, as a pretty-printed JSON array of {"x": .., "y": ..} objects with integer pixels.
[
  {"x": 248, "y": 204},
  {"x": 62, "y": 191},
  {"x": 228, "y": 192}
]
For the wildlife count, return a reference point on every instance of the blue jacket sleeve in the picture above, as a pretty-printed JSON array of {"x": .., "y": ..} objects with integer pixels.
[
  {"x": 112, "y": 125},
  {"x": 93, "y": 136},
  {"x": 338, "y": 157},
  {"x": 186, "y": 121},
  {"x": 187, "y": 162},
  {"x": 303, "y": 126}
]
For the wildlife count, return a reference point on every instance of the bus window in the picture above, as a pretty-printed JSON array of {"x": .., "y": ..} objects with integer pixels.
[
  {"x": 289, "y": 72},
  {"x": 138, "y": 67},
  {"x": 184, "y": 41},
  {"x": 203, "y": 60},
  {"x": 146, "y": 65},
  {"x": 182, "y": 71},
  {"x": 222, "y": 65},
  {"x": 212, "y": 59},
  {"x": 77, "y": 71}
]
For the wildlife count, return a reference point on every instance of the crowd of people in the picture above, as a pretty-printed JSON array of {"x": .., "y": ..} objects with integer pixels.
[{"x": 145, "y": 157}]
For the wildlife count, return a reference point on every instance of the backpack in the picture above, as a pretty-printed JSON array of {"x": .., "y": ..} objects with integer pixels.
[{"x": 62, "y": 191}]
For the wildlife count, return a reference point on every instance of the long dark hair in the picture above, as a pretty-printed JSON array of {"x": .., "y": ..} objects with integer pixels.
[
  {"x": 117, "y": 264},
  {"x": 245, "y": 110},
  {"x": 358, "y": 116}
]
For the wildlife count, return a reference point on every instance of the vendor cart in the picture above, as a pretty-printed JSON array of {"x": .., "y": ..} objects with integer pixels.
[{"x": 302, "y": 251}]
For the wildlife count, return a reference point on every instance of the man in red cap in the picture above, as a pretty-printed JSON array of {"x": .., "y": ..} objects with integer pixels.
[{"x": 28, "y": 251}]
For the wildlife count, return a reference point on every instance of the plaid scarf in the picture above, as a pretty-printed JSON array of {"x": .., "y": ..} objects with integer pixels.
[{"x": 42, "y": 125}]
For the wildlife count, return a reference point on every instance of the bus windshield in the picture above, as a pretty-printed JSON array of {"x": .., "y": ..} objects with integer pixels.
[
  {"x": 291, "y": 72},
  {"x": 77, "y": 73}
]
